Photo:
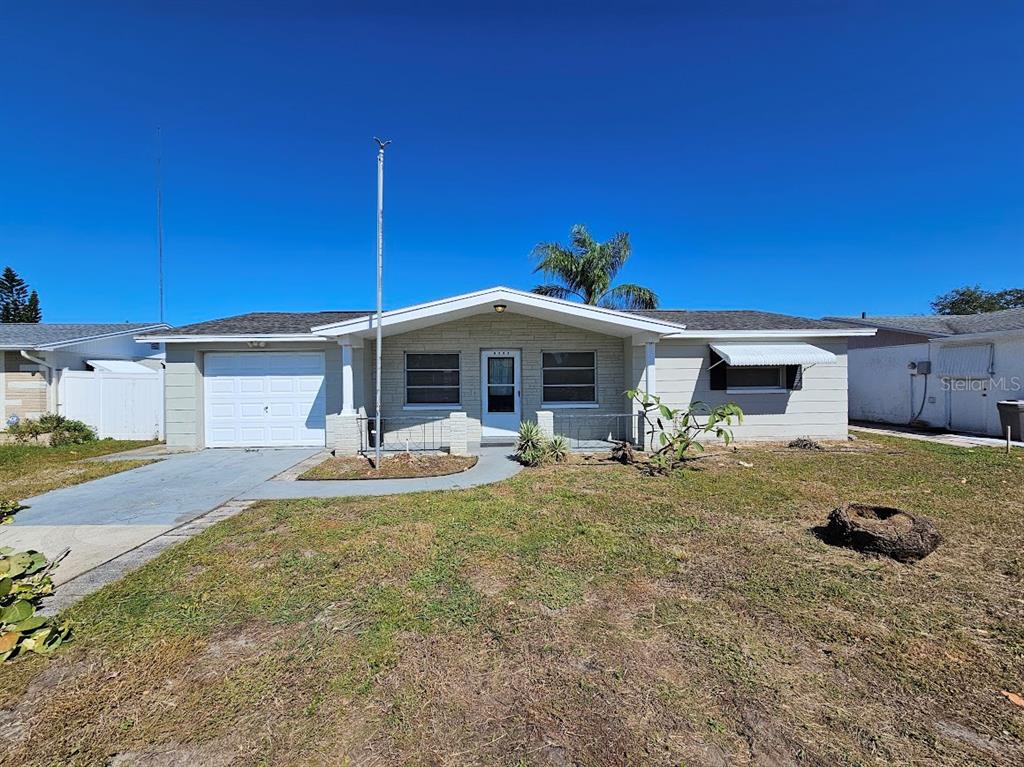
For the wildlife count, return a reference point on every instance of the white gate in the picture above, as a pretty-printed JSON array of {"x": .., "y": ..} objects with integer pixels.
[{"x": 116, "y": 405}]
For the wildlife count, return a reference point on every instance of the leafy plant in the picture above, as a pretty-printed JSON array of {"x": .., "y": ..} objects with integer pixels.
[
  {"x": 676, "y": 431},
  {"x": 8, "y": 509},
  {"x": 558, "y": 449},
  {"x": 24, "y": 580},
  {"x": 62, "y": 431},
  {"x": 531, "y": 444}
]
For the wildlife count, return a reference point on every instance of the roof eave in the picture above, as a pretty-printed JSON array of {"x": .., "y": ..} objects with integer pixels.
[
  {"x": 468, "y": 301},
  {"x": 172, "y": 338},
  {"x": 779, "y": 333}
]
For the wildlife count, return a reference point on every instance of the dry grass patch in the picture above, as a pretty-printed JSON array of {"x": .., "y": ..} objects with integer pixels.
[
  {"x": 566, "y": 616},
  {"x": 401, "y": 466},
  {"x": 28, "y": 470}
]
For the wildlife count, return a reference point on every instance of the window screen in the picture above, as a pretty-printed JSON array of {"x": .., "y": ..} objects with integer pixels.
[{"x": 432, "y": 379}]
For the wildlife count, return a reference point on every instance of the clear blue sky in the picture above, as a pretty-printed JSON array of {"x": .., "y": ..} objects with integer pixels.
[{"x": 814, "y": 158}]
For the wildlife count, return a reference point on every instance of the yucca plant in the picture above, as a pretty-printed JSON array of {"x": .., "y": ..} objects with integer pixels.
[
  {"x": 531, "y": 445},
  {"x": 8, "y": 509},
  {"x": 558, "y": 448}
]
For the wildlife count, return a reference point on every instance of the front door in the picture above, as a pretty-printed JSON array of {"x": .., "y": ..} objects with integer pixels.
[{"x": 501, "y": 390}]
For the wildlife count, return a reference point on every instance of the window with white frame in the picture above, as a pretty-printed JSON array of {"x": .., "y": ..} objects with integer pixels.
[
  {"x": 432, "y": 379},
  {"x": 569, "y": 378}
]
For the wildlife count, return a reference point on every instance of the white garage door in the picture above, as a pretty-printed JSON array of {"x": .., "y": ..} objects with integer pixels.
[{"x": 264, "y": 399}]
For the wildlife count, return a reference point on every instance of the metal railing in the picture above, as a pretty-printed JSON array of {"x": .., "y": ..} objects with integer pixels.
[
  {"x": 599, "y": 431},
  {"x": 404, "y": 433}
]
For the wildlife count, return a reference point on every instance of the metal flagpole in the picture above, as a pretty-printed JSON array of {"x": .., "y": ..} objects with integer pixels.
[{"x": 381, "y": 146}]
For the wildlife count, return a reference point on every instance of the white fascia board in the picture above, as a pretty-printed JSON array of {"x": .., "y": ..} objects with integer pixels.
[
  {"x": 438, "y": 309},
  {"x": 98, "y": 337},
  {"x": 825, "y": 333},
  {"x": 196, "y": 339}
]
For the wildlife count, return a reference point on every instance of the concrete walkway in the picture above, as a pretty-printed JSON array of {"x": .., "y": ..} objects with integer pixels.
[
  {"x": 495, "y": 464},
  {"x": 944, "y": 438}
]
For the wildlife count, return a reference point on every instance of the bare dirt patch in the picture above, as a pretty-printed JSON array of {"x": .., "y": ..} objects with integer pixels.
[{"x": 402, "y": 466}]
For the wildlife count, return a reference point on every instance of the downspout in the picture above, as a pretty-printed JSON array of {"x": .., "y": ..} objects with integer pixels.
[{"x": 49, "y": 379}]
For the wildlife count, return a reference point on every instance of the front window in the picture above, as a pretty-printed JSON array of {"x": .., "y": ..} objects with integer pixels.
[
  {"x": 569, "y": 378},
  {"x": 768, "y": 377},
  {"x": 432, "y": 379}
]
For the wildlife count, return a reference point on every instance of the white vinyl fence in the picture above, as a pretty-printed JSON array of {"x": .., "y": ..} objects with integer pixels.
[{"x": 116, "y": 405}]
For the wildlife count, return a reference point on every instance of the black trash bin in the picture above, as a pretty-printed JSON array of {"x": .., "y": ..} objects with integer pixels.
[{"x": 1011, "y": 415}]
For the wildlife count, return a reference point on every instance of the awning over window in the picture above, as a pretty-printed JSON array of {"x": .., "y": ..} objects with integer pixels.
[
  {"x": 119, "y": 366},
  {"x": 965, "y": 361},
  {"x": 748, "y": 355}
]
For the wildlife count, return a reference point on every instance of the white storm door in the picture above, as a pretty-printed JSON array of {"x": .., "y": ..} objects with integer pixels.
[
  {"x": 501, "y": 390},
  {"x": 264, "y": 399}
]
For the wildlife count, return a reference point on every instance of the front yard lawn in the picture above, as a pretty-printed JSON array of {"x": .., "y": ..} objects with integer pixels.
[
  {"x": 401, "y": 466},
  {"x": 27, "y": 470},
  {"x": 574, "y": 615}
]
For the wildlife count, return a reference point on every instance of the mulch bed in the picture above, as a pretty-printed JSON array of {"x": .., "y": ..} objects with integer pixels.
[{"x": 402, "y": 466}]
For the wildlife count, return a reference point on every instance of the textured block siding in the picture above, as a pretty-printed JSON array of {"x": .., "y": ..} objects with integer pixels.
[
  {"x": 819, "y": 409},
  {"x": 25, "y": 389},
  {"x": 471, "y": 336},
  {"x": 183, "y": 387}
]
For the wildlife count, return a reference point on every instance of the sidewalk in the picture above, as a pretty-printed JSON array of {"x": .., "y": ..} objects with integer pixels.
[{"x": 925, "y": 435}]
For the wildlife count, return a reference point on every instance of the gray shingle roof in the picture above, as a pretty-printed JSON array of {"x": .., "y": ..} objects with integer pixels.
[
  {"x": 265, "y": 323},
  {"x": 33, "y": 335},
  {"x": 943, "y": 324},
  {"x": 269, "y": 323},
  {"x": 739, "y": 319}
]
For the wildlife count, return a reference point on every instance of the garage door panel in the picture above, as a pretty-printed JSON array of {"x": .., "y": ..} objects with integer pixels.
[{"x": 265, "y": 399}]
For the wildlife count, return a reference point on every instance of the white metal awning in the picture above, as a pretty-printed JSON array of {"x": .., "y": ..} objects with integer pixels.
[
  {"x": 749, "y": 355},
  {"x": 119, "y": 366},
  {"x": 973, "y": 361}
]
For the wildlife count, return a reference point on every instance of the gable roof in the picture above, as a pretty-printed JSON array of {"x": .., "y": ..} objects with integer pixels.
[
  {"x": 52, "y": 335},
  {"x": 939, "y": 325},
  {"x": 673, "y": 323}
]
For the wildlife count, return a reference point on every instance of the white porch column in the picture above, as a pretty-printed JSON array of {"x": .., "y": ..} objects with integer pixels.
[
  {"x": 650, "y": 357},
  {"x": 347, "y": 378}
]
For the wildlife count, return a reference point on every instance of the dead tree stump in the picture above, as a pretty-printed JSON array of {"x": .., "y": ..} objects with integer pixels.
[{"x": 883, "y": 530}]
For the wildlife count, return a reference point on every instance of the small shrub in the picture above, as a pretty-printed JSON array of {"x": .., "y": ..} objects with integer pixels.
[
  {"x": 531, "y": 445},
  {"x": 558, "y": 449},
  {"x": 24, "y": 581},
  {"x": 72, "y": 433},
  {"x": 805, "y": 443},
  {"x": 62, "y": 431}
]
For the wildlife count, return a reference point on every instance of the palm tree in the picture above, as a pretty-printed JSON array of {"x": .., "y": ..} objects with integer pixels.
[{"x": 585, "y": 269}]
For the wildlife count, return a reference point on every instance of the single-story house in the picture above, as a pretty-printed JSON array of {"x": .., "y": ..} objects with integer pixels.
[
  {"x": 940, "y": 371},
  {"x": 34, "y": 357},
  {"x": 466, "y": 370}
]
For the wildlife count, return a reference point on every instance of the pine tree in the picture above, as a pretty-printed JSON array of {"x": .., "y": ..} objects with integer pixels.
[
  {"x": 32, "y": 311},
  {"x": 14, "y": 298}
]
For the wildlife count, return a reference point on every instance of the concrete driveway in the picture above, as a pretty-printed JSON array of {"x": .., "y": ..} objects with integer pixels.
[{"x": 102, "y": 519}]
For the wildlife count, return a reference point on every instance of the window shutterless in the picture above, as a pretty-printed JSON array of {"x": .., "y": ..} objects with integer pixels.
[
  {"x": 569, "y": 377},
  {"x": 432, "y": 379}
]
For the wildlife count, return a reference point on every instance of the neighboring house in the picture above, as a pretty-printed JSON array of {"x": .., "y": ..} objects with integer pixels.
[
  {"x": 35, "y": 356},
  {"x": 942, "y": 371},
  {"x": 466, "y": 370}
]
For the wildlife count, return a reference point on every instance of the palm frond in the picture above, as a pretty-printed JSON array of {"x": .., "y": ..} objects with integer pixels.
[
  {"x": 629, "y": 297},
  {"x": 556, "y": 291}
]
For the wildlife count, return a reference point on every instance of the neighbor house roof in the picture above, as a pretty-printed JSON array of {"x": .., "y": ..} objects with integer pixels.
[
  {"x": 938, "y": 325},
  {"x": 52, "y": 335}
]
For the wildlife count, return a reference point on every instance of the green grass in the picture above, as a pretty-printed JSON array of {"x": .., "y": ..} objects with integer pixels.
[
  {"x": 28, "y": 470},
  {"x": 574, "y": 614}
]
